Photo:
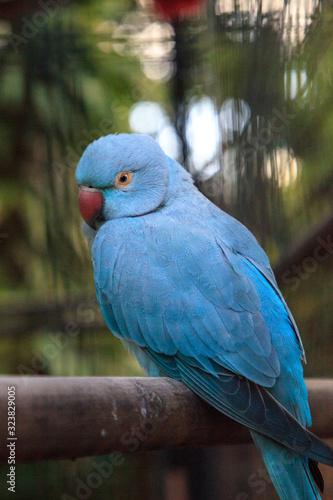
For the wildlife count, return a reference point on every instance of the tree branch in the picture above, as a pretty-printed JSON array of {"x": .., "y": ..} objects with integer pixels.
[{"x": 58, "y": 417}]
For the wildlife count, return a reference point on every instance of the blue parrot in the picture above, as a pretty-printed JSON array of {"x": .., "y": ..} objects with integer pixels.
[{"x": 191, "y": 294}]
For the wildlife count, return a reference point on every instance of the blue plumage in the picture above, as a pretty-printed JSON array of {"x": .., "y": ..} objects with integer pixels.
[{"x": 190, "y": 292}]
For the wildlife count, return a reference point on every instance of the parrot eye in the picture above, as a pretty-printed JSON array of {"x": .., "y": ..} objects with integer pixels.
[{"x": 123, "y": 179}]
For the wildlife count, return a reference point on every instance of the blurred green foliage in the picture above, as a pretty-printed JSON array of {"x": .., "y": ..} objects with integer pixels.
[{"x": 75, "y": 79}]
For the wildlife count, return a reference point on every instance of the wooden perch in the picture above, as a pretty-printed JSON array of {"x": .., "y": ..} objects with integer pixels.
[{"x": 71, "y": 417}]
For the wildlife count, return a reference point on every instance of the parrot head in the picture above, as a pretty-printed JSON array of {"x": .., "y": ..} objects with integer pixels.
[{"x": 123, "y": 175}]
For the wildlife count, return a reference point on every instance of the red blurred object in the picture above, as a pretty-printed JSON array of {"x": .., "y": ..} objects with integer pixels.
[
  {"x": 175, "y": 9},
  {"x": 90, "y": 204}
]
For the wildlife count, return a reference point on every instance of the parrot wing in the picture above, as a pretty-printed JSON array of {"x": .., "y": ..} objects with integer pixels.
[
  {"x": 181, "y": 291},
  {"x": 184, "y": 297},
  {"x": 238, "y": 237}
]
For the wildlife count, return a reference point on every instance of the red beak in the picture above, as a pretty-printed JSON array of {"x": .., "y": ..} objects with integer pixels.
[{"x": 91, "y": 204}]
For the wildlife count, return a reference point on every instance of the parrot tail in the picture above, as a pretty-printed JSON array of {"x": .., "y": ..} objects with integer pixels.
[{"x": 294, "y": 477}]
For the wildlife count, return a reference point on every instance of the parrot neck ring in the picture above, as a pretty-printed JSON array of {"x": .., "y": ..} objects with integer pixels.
[{"x": 91, "y": 203}]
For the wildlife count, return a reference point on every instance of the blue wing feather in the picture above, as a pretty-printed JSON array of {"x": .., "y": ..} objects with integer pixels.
[
  {"x": 210, "y": 318},
  {"x": 208, "y": 308}
]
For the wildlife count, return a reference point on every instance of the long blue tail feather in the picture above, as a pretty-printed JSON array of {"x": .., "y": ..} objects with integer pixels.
[{"x": 290, "y": 473}]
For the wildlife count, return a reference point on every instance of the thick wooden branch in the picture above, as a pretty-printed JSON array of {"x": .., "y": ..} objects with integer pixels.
[{"x": 58, "y": 417}]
